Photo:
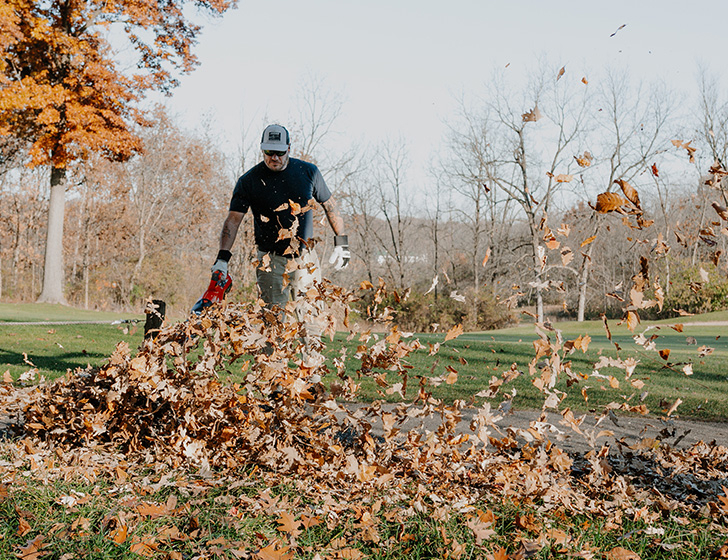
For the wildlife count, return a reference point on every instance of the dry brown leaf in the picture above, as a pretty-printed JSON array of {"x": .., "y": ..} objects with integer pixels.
[
  {"x": 609, "y": 202},
  {"x": 23, "y": 527},
  {"x": 288, "y": 524},
  {"x": 561, "y": 73},
  {"x": 632, "y": 320},
  {"x": 588, "y": 240},
  {"x": 532, "y": 116},
  {"x": 686, "y": 145},
  {"x": 620, "y": 553},
  {"x": 629, "y": 191},
  {"x": 271, "y": 552},
  {"x": 582, "y": 343},
  {"x": 567, "y": 255},
  {"x": 584, "y": 160},
  {"x": 674, "y": 406},
  {"x": 454, "y": 332},
  {"x": 119, "y": 534},
  {"x": 486, "y": 257},
  {"x": 33, "y": 550}
]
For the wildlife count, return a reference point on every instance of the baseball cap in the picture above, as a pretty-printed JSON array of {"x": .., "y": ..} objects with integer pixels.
[{"x": 275, "y": 137}]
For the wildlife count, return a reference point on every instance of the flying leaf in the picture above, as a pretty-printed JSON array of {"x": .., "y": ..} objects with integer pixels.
[
  {"x": 584, "y": 160},
  {"x": 454, "y": 332},
  {"x": 686, "y": 145},
  {"x": 629, "y": 191},
  {"x": 588, "y": 240},
  {"x": 618, "y": 28},
  {"x": 487, "y": 256},
  {"x": 457, "y": 297},
  {"x": 584, "y": 80},
  {"x": 435, "y": 280},
  {"x": 532, "y": 116},
  {"x": 561, "y": 73},
  {"x": 632, "y": 320},
  {"x": 567, "y": 255},
  {"x": 721, "y": 210},
  {"x": 674, "y": 406},
  {"x": 609, "y": 202},
  {"x": 654, "y": 170}
]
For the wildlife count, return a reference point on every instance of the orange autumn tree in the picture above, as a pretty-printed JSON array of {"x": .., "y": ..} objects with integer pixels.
[{"x": 63, "y": 94}]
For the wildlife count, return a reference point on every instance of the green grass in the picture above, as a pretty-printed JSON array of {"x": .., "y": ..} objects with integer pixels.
[
  {"x": 81, "y": 520},
  {"x": 54, "y": 349},
  {"x": 478, "y": 357}
]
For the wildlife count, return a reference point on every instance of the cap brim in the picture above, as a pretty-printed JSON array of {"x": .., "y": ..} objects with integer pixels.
[{"x": 275, "y": 147}]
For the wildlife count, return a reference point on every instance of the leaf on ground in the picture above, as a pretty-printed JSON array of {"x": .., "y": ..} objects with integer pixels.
[
  {"x": 271, "y": 552},
  {"x": 619, "y": 553}
]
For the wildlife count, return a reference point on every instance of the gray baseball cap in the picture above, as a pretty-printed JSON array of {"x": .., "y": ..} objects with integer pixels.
[{"x": 275, "y": 137}]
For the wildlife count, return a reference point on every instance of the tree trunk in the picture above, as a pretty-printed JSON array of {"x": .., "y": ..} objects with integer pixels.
[{"x": 53, "y": 270}]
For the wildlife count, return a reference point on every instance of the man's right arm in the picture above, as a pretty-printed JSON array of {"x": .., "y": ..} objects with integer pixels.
[
  {"x": 230, "y": 230},
  {"x": 227, "y": 239}
]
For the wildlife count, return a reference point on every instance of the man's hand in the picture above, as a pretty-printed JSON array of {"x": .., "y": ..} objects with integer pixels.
[
  {"x": 220, "y": 265},
  {"x": 341, "y": 256}
]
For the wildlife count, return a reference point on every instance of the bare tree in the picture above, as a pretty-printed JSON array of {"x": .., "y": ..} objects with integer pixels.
[
  {"x": 633, "y": 127},
  {"x": 529, "y": 155}
]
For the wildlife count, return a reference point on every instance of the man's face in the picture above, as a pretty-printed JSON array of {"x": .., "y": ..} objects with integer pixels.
[{"x": 274, "y": 160}]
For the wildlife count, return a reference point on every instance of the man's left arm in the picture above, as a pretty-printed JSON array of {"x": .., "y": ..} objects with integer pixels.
[
  {"x": 332, "y": 215},
  {"x": 341, "y": 255}
]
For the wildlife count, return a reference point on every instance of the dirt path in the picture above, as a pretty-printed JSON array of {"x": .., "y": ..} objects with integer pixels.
[{"x": 630, "y": 430}]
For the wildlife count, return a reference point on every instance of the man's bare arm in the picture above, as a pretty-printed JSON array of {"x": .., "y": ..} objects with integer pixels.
[
  {"x": 332, "y": 215},
  {"x": 230, "y": 230}
]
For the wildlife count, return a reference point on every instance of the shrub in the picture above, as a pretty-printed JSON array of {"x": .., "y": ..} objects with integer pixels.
[{"x": 419, "y": 312}]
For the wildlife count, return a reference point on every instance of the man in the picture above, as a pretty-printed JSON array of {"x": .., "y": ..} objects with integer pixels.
[{"x": 279, "y": 192}]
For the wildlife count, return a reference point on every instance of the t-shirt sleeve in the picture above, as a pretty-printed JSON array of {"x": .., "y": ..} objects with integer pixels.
[
  {"x": 239, "y": 201},
  {"x": 321, "y": 192}
]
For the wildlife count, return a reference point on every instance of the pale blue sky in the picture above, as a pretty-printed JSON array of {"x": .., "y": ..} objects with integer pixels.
[{"x": 400, "y": 64}]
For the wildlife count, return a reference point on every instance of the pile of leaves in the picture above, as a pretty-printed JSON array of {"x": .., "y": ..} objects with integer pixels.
[{"x": 291, "y": 421}]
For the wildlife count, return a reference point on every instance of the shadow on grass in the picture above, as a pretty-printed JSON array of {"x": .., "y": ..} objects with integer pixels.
[{"x": 57, "y": 362}]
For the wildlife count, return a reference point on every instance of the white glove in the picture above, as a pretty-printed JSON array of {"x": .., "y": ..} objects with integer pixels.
[
  {"x": 220, "y": 265},
  {"x": 341, "y": 256}
]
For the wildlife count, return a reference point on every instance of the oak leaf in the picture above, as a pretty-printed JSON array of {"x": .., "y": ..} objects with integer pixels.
[
  {"x": 532, "y": 116},
  {"x": 270, "y": 552},
  {"x": 454, "y": 332}
]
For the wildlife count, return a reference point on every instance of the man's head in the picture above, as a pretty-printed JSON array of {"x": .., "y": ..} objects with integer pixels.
[{"x": 275, "y": 145}]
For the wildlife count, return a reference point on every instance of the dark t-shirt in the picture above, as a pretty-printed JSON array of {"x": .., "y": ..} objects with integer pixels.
[{"x": 269, "y": 195}]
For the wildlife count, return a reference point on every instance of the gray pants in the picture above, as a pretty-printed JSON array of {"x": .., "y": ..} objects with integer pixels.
[{"x": 282, "y": 279}]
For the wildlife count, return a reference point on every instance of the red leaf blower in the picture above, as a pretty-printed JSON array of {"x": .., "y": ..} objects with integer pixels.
[{"x": 220, "y": 285}]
